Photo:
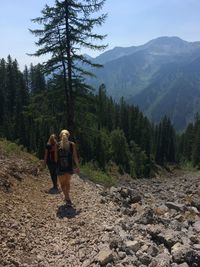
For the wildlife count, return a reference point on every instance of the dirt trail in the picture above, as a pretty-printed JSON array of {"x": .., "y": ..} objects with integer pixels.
[
  {"x": 133, "y": 225},
  {"x": 38, "y": 229}
]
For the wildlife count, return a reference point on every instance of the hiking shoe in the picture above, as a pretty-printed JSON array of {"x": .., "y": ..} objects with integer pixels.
[
  {"x": 54, "y": 190},
  {"x": 68, "y": 203}
]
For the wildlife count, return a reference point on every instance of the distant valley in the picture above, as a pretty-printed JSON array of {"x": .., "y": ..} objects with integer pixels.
[{"x": 162, "y": 77}]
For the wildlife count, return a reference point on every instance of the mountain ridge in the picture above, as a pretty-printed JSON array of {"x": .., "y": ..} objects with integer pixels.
[
  {"x": 132, "y": 49},
  {"x": 130, "y": 71}
]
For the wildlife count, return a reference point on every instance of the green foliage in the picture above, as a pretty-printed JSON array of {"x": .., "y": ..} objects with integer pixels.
[
  {"x": 188, "y": 166},
  {"x": 105, "y": 130},
  {"x": 165, "y": 142},
  {"x": 12, "y": 149},
  {"x": 138, "y": 161},
  {"x": 64, "y": 29},
  {"x": 102, "y": 148},
  {"x": 119, "y": 149},
  {"x": 189, "y": 144},
  {"x": 93, "y": 173}
]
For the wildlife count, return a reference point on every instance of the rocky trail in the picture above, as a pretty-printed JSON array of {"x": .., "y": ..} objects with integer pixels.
[{"x": 145, "y": 222}]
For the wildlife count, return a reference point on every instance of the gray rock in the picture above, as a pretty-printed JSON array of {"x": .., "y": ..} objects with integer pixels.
[
  {"x": 153, "y": 251},
  {"x": 130, "y": 260},
  {"x": 104, "y": 256},
  {"x": 147, "y": 217},
  {"x": 145, "y": 259},
  {"x": 125, "y": 192},
  {"x": 86, "y": 263},
  {"x": 178, "y": 252},
  {"x": 196, "y": 226},
  {"x": 132, "y": 245},
  {"x": 116, "y": 242},
  {"x": 175, "y": 206},
  {"x": 192, "y": 257},
  {"x": 167, "y": 237},
  {"x": 113, "y": 190},
  {"x": 183, "y": 265},
  {"x": 122, "y": 254},
  {"x": 196, "y": 246},
  {"x": 196, "y": 203},
  {"x": 162, "y": 260}
]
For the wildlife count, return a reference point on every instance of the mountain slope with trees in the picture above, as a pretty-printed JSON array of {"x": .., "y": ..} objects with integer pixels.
[
  {"x": 181, "y": 100},
  {"x": 158, "y": 77},
  {"x": 106, "y": 131}
]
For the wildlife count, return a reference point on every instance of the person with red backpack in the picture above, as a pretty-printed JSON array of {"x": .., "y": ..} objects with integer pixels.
[
  {"x": 66, "y": 156},
  {"x": 50, "y": 159}
]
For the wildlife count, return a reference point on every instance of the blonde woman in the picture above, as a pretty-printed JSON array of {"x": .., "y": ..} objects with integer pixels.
[
  {"x": 66, "y": 155},
  {"x": 50, "y": 158}
]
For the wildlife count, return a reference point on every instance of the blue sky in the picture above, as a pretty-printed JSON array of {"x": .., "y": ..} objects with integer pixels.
[{"x": 129, "y": 22}]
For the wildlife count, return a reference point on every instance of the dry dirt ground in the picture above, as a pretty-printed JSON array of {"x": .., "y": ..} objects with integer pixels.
[{"x": 152, "y": 222}]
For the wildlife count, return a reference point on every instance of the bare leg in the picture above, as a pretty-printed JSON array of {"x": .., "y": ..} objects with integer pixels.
[
  {"x": 65, "y": 184},
  {"x": 62, "y": 182}
]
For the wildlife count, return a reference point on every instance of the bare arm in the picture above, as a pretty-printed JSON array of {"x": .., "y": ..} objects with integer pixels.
[{"x": 75, "y": 157}]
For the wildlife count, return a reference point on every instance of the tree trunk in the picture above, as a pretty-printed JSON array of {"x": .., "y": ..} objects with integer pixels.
[{"x": 70, "y": 118}]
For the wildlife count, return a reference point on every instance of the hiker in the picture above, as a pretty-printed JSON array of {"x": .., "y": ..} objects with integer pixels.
[
  {"x": 67, "y": 154},
  {"x": 50, "y": 159}
]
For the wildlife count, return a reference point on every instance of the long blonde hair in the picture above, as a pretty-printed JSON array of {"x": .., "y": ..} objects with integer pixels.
[{"x": 64, "y": 139}]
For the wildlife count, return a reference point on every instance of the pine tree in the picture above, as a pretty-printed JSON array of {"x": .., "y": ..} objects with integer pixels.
[
  {"x": 22, "y": 100},
  {"x": 101, "y": 106},
  {"x": 165, "y": 142},
  {"x": 37, "y": 79},
  {"x": 67, "y": 27},
  {"x": 119, "y": 149},
  {"x": 196, "y": 149},
  {"x": 188, "y": 139},
  {"x": 2, "y": 93}
]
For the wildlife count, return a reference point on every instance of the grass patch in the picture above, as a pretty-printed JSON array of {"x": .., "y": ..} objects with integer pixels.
[
  {"x": 9, "y": 149},
  {"x": 96, "y": 175},
  {"x": 188, "y": 166}
]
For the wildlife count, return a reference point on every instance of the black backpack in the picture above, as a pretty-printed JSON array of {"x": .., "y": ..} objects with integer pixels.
[{"x": 65, "y": 158}]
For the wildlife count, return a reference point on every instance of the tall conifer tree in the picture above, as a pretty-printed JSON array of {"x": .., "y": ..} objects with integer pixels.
[
  {"x": 67, "y": 27},
  {"x": 2, "y": 92}
]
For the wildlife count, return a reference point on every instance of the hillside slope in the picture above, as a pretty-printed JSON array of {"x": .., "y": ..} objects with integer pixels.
[
  {"x": 161, "y": 77},
  {"x": 152, "y": 222},
  {"x": 181, "y": 100}
]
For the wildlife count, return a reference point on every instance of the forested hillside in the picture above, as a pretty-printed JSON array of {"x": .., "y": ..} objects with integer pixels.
[
  {"x": 161, "y": 77},
  {"x": 33, "y": 107}
]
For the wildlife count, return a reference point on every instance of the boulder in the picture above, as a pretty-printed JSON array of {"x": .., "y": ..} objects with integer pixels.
[
  {"x": 104, "y": 256},
  {"x": 175, "y": 206}
]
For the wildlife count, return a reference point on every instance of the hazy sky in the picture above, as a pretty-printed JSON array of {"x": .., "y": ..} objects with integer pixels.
[{"x": 129, "y": 22}]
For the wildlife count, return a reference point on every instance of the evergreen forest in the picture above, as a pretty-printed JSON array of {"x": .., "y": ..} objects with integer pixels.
[
  {"x": 33, "y": 107},
  {"x": 46, "y": 98}
]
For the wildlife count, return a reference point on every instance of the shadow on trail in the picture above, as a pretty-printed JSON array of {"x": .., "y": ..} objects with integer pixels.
[{"x": 67, "y": 212}]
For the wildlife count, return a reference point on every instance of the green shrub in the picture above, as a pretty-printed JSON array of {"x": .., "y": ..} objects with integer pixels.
[
  {"x": 188, "y": 166},
  {"x": 10, "y": 149},
  {"x": 96, "y": 175}
]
